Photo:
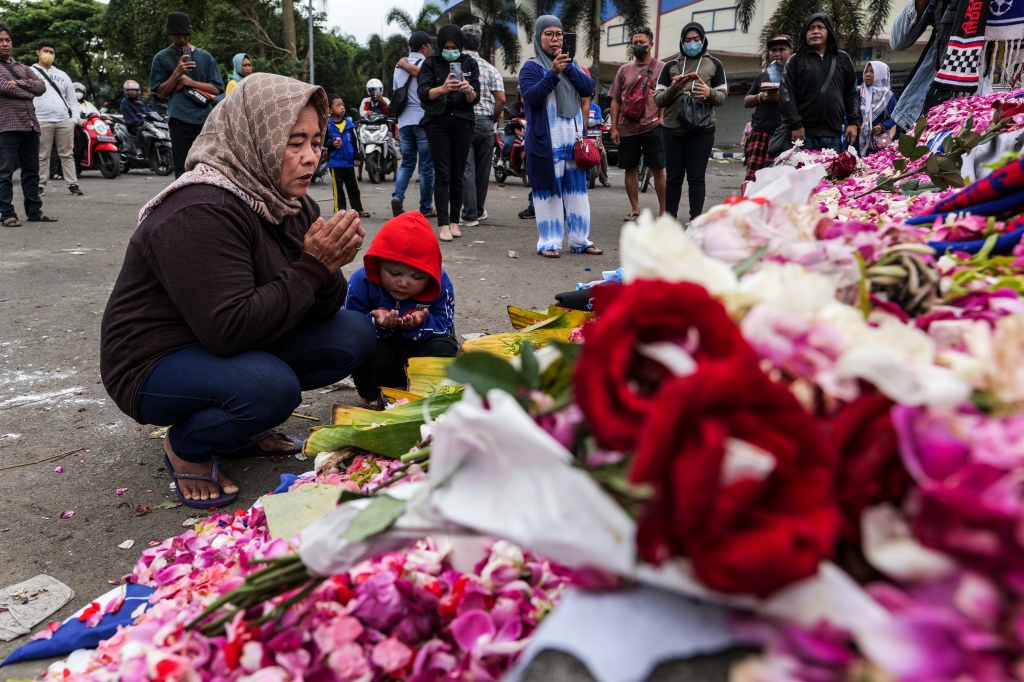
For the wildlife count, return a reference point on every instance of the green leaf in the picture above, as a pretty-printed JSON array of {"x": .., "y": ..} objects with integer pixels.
[
  {"x": 741, "y": 268},
  {"x": 570, "y": 351},
  {"x": 900, "y": 164},
  {"x": 919, "y": 153},
  {"x": 971, "y": 139},
  {"x": 931, "y": 166},
  {"x": 947, "y": 145},
  {"x": 376, "y": 518},
  {"x": 906, "y": 145},
  {"x": 919, "y": 127},
  {"x": 530, "y": 368},
  {"x": 167, "y": 504},
  {"x": 484, "y": 372}
]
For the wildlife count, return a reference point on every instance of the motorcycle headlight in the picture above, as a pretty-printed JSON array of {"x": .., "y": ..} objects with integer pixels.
[{"x": 100, "y": 127}]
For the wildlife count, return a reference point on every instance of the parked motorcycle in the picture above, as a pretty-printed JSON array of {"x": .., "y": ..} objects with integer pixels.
[
  {"x": 376, "y": 141},
  {"x": 516, "y": 163},
  {"x": 156, "y": 152},
  {"x": 97, "y": 148}
]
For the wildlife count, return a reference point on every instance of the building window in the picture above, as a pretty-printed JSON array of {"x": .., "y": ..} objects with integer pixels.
[
  {"x": 716, "y": 20},
  {"x": 617, "y": 35}
]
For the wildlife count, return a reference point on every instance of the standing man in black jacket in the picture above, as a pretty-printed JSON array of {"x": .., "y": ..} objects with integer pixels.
[{"x": 819, "y": 90}]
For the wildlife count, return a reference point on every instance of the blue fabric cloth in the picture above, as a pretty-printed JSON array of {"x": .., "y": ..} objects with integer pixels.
[
  {"x": 215, "y": 403},
  {"x": 134, "y": 113},
  {"x": 181, "y": 106},
  {"x": 73, "y": 633},
  {"x": 536, "y": 85},
  {"x": 1003, "y": 246},
  {"x": 818, "y": 143},
  {"x": 287, "y": 481},
  {"x": 345, "y": 155},
  {"x": 413, "y": 139},
  {"x": 364, "y": 297}
]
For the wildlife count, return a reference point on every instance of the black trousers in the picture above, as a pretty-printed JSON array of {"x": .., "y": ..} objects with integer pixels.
[
  {"x": 449, "y": 139},
  {"x": 182, "y": 136},
  {"x": 348, "y": 177},
  {"x": 686, "y": 156},
  {"x": 20, "y": 148},
  {"x": 387, "y": 366}
]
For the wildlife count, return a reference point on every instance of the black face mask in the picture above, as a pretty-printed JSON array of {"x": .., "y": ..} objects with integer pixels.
[{"x": 640, "y": 51}]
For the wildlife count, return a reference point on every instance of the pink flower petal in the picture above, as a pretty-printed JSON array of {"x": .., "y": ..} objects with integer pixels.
[{"x": 67, "y": 514}]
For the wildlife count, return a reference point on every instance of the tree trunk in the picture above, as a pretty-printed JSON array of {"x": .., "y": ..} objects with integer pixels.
[
  {"x": 288, "y": 28},
  {"x": 595, "y": 47}
]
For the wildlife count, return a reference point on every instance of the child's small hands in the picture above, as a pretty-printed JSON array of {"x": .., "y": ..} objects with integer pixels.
[
  {"x": 412, "y": 319},
  {"x": 385, "y": 318}
]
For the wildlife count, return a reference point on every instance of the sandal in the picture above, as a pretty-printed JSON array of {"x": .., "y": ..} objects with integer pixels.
[
  {"x": 376, "y": 405},
  {"x": 11, "y": 222},
  {"x": 632, "y": 217},
  {"x": 592, "y": 251},
  {"x": 43, "y": 218},
  {"x": 550, "y": 254},
  {"x": 220, "y": 501},
  {"x": 364, "y": 214}
]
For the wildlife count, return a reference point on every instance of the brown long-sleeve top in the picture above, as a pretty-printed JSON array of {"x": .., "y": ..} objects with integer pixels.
[{"x": 205, "y": 268}]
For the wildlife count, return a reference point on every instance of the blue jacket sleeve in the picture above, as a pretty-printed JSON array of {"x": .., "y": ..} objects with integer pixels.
[
  {"x": 583, "y": 83},
  {"x": 360, "y": 298},
  {"x": 888, "y": 123},
  {"x": 536, "y": 84},
  {"x": 440, "y": 319}
]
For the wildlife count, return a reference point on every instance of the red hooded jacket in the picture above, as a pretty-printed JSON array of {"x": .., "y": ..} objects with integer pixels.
[{"x": 408, "y": 239}]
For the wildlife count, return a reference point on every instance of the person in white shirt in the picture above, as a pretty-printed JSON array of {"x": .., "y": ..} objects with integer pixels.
[
  {"x": 85, "y": 107},
  {"x": 58, "y": 114},
  {"x": 411, "y": 136}
]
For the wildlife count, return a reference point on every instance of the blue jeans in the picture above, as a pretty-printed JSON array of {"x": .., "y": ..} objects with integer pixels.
[
  {"x": 506, "y": 147},
  {"x": 414, "y": 143},
  {"x": 20, "y": 148},
  {"x": 817, "y": 144},
  {"x": 478, "y": 169},
  {"x": 214, "y": 403}
]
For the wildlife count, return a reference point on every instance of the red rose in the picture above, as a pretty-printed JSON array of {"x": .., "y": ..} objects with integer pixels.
[
  {"x": 615, "y": 385},
  {"x": 844, "y": 165},
  {"x": 870, "y": 468},
  {"x": 745, "y": 528}
]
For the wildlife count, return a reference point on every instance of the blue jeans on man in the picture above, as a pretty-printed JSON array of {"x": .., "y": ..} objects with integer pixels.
[
  {"x": 819, "y": 143},
  {"x": 414, "y": 144},
  {"x": 20, "y": 148},
  {"x": 478, "y": 170}
]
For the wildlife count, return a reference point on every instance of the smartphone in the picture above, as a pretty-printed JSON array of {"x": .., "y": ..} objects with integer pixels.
[
  {"x": 455, "y": 68},
  {"x": 569, "y": 44},
  {"x": 186, "y": 52}
]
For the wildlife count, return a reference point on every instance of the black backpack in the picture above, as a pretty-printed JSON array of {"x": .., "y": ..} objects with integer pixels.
[{"x": 400, "y": 100}]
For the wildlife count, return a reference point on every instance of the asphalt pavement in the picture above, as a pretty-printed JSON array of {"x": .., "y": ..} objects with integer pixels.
[{"x": 54, "y": 282}]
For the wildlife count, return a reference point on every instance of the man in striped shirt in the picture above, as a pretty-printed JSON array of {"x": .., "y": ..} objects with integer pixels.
[
  {"x": 487, "y": 110},
  {"x": 19, "y": 134}
]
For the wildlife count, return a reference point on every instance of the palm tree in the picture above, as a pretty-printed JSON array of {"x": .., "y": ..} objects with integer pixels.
[
  {"x": 496, "y": 19},
  {"x": 425, "y": 20},
  {"x": 586, "y": 16},
  {"x": 378, "y": 58},
  {"x": 288, "y": 27},
  {"x": 853, "y": 20}
]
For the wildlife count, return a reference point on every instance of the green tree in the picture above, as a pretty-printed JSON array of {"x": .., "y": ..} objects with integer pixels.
[
  {"x": 425, "y": 21},
  {"x": 585, "y": 17},
  {"x": 496, "y": 19},
  {"x": 74, "y": 26},
  {"x": 378, "y": 60},
  {"x": 853, "y": 20}
]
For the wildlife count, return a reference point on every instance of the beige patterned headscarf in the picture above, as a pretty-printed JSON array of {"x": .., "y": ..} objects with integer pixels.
[{"x": 242, "y": 145}]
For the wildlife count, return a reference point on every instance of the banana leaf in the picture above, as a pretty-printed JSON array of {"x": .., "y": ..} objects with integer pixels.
[
  {"x": 391, "y": 433},
  {"x": 556, "y": 327},
  {"x": 521, "y": 317},
  {"x": 429, "y": 376},
  {"x": 392, "y": 395}
]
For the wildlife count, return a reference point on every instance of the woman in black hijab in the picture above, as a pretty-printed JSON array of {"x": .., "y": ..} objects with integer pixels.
[{"x": 448, "y": 122}]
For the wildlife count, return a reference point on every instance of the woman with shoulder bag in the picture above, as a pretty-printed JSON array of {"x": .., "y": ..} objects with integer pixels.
[
  {"x": 448, "y": 84},
  {"x": 876, "y": 105},
  {"x": 688, "y": 90}
]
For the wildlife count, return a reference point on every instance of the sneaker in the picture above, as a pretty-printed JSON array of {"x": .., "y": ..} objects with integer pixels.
[
  {"x": 469, "y": 223},
  {"x": 74, "y": 189},
  {"x": 483, "y": 216},
  {"x": 606, "y": 183},
  {"x": 527, "y": 213},
  {"x": 42, "y": 191},
  {"x": 396, "y": 207},
  {"x": 432, "y": 213}
]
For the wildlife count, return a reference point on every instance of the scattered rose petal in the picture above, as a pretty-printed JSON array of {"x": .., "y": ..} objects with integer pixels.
[
  {"x": 513, "y": 254},
  {"x": 121, "y": 491},
  {"x": 142, "y": 510},
  {"x": 113, "y": 582},
  {"x": 67, "y": 514},
  {"x": 188, "y": 522},
  {"x": 127, "y": 544},
  {"x": 277, "y": 458},
  {"x": 59, "y": 470}
]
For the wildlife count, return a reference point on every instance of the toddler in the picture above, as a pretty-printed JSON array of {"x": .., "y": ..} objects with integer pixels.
[{"x": 408, "y": 296}]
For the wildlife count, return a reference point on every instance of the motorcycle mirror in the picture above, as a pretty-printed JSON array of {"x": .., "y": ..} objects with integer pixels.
[{"x": 506, "y": 112}]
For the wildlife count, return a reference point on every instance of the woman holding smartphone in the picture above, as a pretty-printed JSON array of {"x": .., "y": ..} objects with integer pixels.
[
  {"x": 687, "y": 147},
  {"x": 448, "y": 85},
  {"x": 552, "y": 84}
]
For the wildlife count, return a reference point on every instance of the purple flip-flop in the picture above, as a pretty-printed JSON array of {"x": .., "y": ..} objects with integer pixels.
[
  {"x": 223, "y": 500},
  {"x": 252, "y": 447}
]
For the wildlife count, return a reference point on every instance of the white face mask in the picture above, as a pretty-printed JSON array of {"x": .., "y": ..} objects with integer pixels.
[{"x": 79, "y": 96}]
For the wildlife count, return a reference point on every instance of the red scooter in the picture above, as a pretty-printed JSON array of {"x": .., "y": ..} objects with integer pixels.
[
  {"x": 516, "y": 162},
  {"x": 98, "y": 147}
]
